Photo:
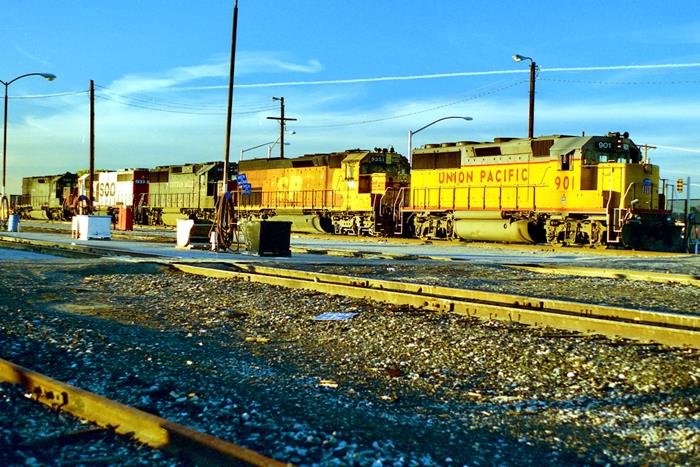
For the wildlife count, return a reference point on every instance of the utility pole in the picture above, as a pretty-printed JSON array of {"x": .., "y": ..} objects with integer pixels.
[
  {"x": 531, "y": 119},
  {"x": 91, "y": 177},
  {"x": 533, "y": 77},
  {"x": 646, "y": 149},
  {"x": 686, "y": 212},
  {"x": 230, "y": 97},
  {"x": 283, "y": 121}
]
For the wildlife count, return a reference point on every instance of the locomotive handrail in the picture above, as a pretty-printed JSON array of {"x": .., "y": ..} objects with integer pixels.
[{"x": 622, "y": 200}]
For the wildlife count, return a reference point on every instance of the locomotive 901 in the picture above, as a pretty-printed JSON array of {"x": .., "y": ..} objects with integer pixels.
[
  {"x": 588, "y": 190},
  {"x": 352, "y": 192}
]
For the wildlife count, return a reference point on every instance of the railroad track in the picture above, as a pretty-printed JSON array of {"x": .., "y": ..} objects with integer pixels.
[
  {"x": 607, "y": 273},
  {"x": 672, "y": 329},
  {"x": 141, "y": 426}
]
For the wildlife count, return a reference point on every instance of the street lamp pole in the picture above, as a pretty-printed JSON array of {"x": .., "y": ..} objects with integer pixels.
[
  {"x": 413, "y": 132},
  {"x": 47, "y": 76},
  {"x": 533, "y": 75}
]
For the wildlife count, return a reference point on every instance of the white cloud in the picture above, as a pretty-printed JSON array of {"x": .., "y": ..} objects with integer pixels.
[{"x": 247, "y": 63}]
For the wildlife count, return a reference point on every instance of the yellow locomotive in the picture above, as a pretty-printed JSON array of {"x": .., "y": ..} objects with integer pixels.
[
  {"x": 350, "y": 192},
  {"x": 589, "y": 190}
]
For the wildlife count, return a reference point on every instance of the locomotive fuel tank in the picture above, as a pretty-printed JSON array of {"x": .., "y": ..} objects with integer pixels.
[
  {"x": 304, "y": 223},
  {"x": 491, "y": 226}
]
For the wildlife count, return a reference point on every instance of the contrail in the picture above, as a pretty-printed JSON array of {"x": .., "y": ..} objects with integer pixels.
[
  {"x": 450, "y": 75},
  {"x": 676, "y": 148}
]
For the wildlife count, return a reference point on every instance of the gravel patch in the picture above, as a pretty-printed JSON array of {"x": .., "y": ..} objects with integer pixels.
[{"x": 391, "y": 386}]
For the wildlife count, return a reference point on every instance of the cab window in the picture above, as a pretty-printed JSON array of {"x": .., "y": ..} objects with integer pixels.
[
  {"x": 565, "y": 161},
  {"x": 349, "y": 172}
]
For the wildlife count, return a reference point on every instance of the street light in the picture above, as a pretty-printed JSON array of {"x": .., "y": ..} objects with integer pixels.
[
  {"x": 413, "y": 132},
  {"x": 533, "y": 73},
  {"x": 269, "y": 144},
  {"x": 47, "y": 76},
  {"x": 272, "y": 145},
  {"x": 243, "y": 151}
]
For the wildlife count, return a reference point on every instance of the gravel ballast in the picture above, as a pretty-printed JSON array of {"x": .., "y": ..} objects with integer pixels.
[{"x": 390, "y": 386}]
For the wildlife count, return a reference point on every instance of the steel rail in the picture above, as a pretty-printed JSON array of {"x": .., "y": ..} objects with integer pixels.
[
  {"x": 154, "y": 431},
  {"x": 673, "y": 329},
  {"x": 648, "y": 276}
]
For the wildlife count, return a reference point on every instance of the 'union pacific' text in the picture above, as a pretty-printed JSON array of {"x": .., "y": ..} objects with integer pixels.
[{"x": 514, "y": 175}]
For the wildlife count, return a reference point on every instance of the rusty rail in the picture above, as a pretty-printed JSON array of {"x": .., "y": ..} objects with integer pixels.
[
  {"x": 147, "y": 428},
  {"x": 672, "y": 329}
]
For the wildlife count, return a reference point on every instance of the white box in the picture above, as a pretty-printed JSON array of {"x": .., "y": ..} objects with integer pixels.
[{"x": 92, "y": 227}]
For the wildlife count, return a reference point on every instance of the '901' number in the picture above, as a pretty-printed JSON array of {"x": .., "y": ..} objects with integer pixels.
[{"x": 562, "y": 183}]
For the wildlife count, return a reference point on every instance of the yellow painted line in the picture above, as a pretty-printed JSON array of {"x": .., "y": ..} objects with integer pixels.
[
  {"x": 524, "y": 310},
  {"x": 152, "y": 430},
  {"x": 648, "y": 276}
]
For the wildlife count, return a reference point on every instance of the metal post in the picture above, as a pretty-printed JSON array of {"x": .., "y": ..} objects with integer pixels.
[
  {"x": 4, "y": 147},
  {"x": 230, "y": 97},
  {"x": 282, "y": 127},
  {"x": 47, "y": 76},
  {"x": 531, "y": 124},
  {"x": 686, "y": 212},
  {"x": 409, "y": 154},
  {"x": 91, "y": 177}
]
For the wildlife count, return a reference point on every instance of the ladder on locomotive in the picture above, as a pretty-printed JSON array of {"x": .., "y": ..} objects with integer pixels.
[{"x": 386, "y": 212}]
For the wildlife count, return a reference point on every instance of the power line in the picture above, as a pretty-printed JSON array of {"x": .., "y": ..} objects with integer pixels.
[
  {"x": 186, "y": 112},
  {"x": 417, "y": 112},
  {"x": 176, "y": 104},
  {"x": 46, "y": 96}
]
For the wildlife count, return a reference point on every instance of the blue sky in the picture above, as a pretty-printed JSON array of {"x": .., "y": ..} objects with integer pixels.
[{"x": 161, "y": 68}]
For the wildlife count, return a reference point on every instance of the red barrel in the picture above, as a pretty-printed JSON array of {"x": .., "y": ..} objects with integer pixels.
[{"x": 125, "y": 219}]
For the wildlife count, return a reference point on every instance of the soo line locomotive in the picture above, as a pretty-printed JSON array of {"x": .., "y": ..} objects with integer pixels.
[{"x": 564, "y": 190}]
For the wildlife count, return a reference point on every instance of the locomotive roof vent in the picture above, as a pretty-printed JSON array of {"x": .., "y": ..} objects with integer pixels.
[
  {"x": 431, "y": 146},
  {"x": 446, "y": 145},
  {"x": 466, "y": 143},
  {"x": 502, "y": 139}
]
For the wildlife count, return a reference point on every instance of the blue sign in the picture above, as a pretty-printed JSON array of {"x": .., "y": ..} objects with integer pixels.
[
  {"x": 241, "y": 178},
  {"x": 245, "y": 188}
]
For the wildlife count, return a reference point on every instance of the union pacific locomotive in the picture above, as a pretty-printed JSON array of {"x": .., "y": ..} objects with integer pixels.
[
  {"x": 589, "y": 190},
  {"x": 565, "y": 190},
  {"x": 351, "y": 192}
]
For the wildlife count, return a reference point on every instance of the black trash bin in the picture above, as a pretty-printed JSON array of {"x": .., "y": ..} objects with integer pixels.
[{"x": 267, "y": 238}]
